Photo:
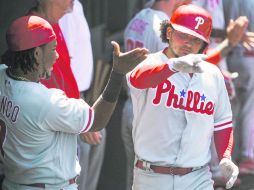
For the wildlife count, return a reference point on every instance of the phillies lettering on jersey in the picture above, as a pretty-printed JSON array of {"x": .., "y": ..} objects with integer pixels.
[{"x": 195, "y": 101}]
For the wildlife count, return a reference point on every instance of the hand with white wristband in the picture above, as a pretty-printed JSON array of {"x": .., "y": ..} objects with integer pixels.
[{"x": 187, "y": 64}]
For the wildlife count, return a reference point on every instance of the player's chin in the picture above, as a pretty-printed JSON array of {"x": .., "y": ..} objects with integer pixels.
[{"x": 184, "y": 52}]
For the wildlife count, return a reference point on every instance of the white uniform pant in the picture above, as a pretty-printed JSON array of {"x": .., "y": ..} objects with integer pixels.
[{"x": 196, "y": 180}]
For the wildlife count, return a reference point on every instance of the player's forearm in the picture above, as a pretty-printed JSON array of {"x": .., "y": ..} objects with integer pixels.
[
  {"x": 105, "y": 104},
  {"x": 150, "y": 76},
  {"x": 224, "y": 142},
  {"x": 215, "y": 55}
]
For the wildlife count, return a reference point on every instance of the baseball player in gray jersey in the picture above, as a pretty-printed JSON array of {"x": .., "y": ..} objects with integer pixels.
[
  {"x": 241, "y": 60},
  {"x": 143, "y": 31},
  {"x": 180, "y": 103},
  {"x": 41, "y": 125}
]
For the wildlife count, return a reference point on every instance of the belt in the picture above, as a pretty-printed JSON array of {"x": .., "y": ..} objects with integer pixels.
[
  {"x": 164, "y": 169},
  {"x": 43, "y": 185}
]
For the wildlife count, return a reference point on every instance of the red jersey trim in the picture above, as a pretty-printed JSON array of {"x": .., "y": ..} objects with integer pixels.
[
  {"x": 89, "y": 123},
  {"x": 223, "y": 126}
]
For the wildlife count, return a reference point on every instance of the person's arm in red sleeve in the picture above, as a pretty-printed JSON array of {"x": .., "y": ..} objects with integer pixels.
[
  {"x": 235, "y": 34},
  {"x": 213, "y": 56},
  {"x": 224, "y": 142},
  {"x": 149, "y": 76}
]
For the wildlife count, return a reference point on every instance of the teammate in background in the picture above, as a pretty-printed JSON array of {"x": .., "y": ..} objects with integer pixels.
[
  {"x": 62, "y": 76},
  {"x": 241, "y": 60},
  {"x": 77, "y": 36},
  {"x": 179, "y": 102},
  {"x": 42, "y": 124}
]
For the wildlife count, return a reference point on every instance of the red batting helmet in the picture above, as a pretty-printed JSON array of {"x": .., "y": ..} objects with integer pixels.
[{"x": 193, "y": 20}]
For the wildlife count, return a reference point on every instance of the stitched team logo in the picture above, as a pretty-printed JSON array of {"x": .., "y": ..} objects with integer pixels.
[
  {"x": 186, "y": 100},
  {"x": 199, "y": 21}
]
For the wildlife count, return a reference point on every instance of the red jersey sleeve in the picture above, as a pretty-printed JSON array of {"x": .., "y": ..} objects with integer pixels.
[
  {"x": 224, "y": 142},
  {"x": 213, "y": 56},
  {"x": 149, "y": 76}
]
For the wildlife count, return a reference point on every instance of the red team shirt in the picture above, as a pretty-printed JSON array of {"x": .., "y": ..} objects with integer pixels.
[{"x": 62, "y": 76}]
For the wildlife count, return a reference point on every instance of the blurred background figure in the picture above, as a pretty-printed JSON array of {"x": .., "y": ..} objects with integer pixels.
[
  {"x": 241, "y": 60},
  {"x": 78, "y": 39}
]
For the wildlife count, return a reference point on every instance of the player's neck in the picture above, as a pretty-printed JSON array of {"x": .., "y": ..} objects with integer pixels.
[
  {"x": 170, "y": 53},
  {"x": 18, "y": 74},
  {"x": 49, "y": 12}
]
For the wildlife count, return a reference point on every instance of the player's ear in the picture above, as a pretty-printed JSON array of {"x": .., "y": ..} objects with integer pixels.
[
  {"x": 169, "y": 32},
  {"x": 38, "y": 53}
]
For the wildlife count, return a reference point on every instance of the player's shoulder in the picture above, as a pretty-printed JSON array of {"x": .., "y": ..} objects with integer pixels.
[
  {"x": 144, "y": 12},
  {"x": 49, "y": 92},
  {"x": 43, "y": 93},
  {"x": 154, "y": 58},
  {"x": 211, "y": 69},
  {"x": 3, "y": 67},
  {"x": 159, "y": 55}
]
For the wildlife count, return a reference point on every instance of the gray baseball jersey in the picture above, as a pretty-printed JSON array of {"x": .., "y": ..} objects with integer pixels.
[
  {"x": 144, "y": 30},
  {"x": 41, "y": 125},
  {"x": 174, "y": 121}
]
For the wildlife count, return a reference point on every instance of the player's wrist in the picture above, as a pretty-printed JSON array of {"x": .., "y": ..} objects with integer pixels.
[
  {"x": 171, "y": 63},
  {"x": 113, "y": 87}
]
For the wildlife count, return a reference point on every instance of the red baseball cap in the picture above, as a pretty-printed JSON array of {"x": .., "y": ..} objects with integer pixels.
[{"x": 28, "y": 32}]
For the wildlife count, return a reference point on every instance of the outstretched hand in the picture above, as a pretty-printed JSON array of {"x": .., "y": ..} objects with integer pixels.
[
  {"x": 125, "y": 62},
  {"x": 236, "y": 33},
  {"x": 187, "y": 64},
  {"x": 236, "y": 30},
  {"x": 248, "y": 40}
]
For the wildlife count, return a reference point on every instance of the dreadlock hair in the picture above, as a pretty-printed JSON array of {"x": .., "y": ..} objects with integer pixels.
[
  {"x": 163, "y": 28},
  {"x": 24, "y": 59}
]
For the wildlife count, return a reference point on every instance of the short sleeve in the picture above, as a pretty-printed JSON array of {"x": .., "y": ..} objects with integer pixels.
[
  {"x": 223, "y": 112},
  {"x": 68, "y": 114}
]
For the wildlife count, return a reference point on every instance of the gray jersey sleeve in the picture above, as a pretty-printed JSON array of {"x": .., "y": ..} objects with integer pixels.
[{"x": 68, "y": 114}]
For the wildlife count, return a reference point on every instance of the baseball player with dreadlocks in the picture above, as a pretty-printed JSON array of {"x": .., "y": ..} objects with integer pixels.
[
  {"x": 40, "y": 125},
  {"x": 180, "y": 103}
]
